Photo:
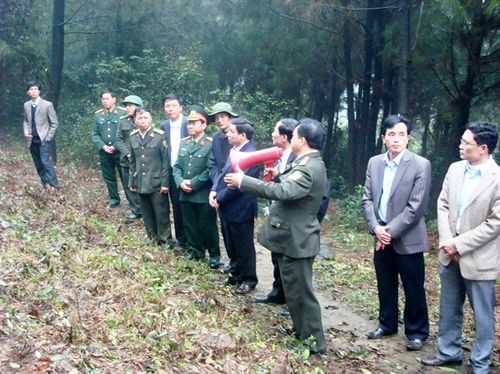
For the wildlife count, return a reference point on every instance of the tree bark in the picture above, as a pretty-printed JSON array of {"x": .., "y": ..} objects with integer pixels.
[
  {"x": 404, "y": 57},
  {"x": 56, "y": 62}
]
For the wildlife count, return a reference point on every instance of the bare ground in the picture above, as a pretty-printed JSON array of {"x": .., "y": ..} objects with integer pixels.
[{"x": 345, "y": 325}]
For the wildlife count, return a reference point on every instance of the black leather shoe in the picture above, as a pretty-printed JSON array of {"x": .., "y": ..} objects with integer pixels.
[
  {"x": 244, "y": 289},
  {"x": 113, "y": 203},
  {"x": 378, "y": 333},
  {"x": 285, "y": 312},
  {"x": 433, "y": 360},
  {"x": 132, "y": 216},
  {"x": 266, "y": 299},
  {"x": 414, "y": 344},
  {"x": 213, "y": 263}
]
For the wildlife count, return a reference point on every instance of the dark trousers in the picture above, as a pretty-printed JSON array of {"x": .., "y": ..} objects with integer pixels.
[
  {"x": 155, "y": 216},
  {"x": 305, "y": 310},
  {"x": 227, "y": 245},
  {"x": 277, "y": 294},
  {"x": 200, "y": 227},
  {"x": 411, "y": 268},
  {"x": 176, "y": 208},
  {"x": 239, "y": 238},
  {"x": 40, "y": 152},
  {"x": 132, "y": 197},
  {"x": 110, "y": 163}
]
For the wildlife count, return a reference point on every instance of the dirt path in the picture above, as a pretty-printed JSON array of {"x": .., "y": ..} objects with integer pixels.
[{"x": 347, "y": 328}]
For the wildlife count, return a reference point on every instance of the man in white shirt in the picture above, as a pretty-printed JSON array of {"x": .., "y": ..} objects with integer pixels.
[
  {"x": 469, "y": 243},
  {"x": 282, "y": 136},
  {"x": 395, "y": 200},
  {"x": 175, "y": 128}
]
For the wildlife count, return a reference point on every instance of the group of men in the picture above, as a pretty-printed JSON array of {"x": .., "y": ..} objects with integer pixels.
[
  {"x": 397, "y": 190},
  {"x": 182, "y": 162}
]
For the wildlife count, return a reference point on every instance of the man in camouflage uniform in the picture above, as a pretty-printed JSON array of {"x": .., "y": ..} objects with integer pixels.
[
  {"x": 192, "y": 178},
  {"x": 104, "y": 131},
  {"x": 149, "y": 177},
  {"x": 126, "y": 125}
]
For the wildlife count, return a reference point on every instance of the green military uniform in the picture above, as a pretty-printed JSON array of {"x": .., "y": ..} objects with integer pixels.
[
  {"x": 199, "y": 218},
  {"x": 125, "y": 127},
  {"x": 104, "y": 131},
  {"x": 149, "y": 170},
  {"x": 291, "y": 230}
]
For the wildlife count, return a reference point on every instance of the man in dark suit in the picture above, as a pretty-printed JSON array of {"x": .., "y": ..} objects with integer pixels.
[
  {"x": 175, "y": 128},
  {"x": 395, "y": 199},
  {"x": 469, "y": 243},
  {"x": 238, "y": 211},
  {"x": 39, "y": 126},
  {"x": 221, "y": 114},
  {"x": 292, "y": 230}
]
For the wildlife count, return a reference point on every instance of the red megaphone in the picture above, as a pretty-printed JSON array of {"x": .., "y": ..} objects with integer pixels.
[{"x": 245, "y": 160}]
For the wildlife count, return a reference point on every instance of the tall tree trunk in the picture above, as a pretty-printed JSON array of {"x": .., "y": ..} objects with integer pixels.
[
  {"x": 351, "y": 125},
  {"x": 376, "y": 97},
  {"x": 404, "y": 57},
  {"x": 56, "y": 62}
]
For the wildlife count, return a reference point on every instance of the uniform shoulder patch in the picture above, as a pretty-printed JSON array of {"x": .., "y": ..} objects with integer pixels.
[
  {"x": 210, "y": 139},
  {"x": 295, "y": 175},
  {"x": 124, "y": 116},
  {"x": 133, "y": 132},
  {"x": 159, "y": 131},
  {"x": 304, "y": 161},
  {"x": 186, "y": 139},
  {"x": 99, "y": 111},
  {"x": 122, "y": 108}
]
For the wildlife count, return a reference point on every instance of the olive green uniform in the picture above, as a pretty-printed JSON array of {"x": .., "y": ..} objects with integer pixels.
[
  {"x": 199, "y": 218},
  {"x": 104, "y": 131},
  {"x": 125, "y": 127},
  {"x": 291, "y": 230},
  {"x": 149, "y": 171}
]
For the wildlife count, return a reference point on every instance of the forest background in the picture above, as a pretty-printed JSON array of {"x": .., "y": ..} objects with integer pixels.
[{"x": 347, "y": 63}]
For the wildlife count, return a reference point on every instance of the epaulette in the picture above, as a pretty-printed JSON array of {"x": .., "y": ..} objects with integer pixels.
[
  {"x": 210, "y": 139},
  {"x": 304, "y": 161},
  {"x": 124, "y": 116},
  {"x": 159, "y": 131},
  {"x": 99, "y": 111},
  {"x": 122, "y": 108},
  {"x": 186, "y": 138},
  {"x": 133, "y": 132}
]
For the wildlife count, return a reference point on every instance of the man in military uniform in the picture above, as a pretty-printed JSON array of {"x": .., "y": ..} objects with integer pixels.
[
  {"x": 149, "y": 177},
  {"x": 126, "y": 125},
  {"x": 291, "y": 230},
  {"x": 104, "y": 131},
  {"x": 192, "y": 178}
]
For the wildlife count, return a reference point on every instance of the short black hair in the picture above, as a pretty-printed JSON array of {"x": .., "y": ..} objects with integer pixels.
[
  {"x": 313, "y": 131},
  {"x": 141, "y": 109},
  {"x": 390, "y": 121},
  {"x": 33, "y": 84},
  {"x": 286, "y": 127},
  {"x": 243, "y": 126},
  {"x": 172, "y": 96},
  {"x": 108, "y": 91},
  {"x": 484, "y": 133}
]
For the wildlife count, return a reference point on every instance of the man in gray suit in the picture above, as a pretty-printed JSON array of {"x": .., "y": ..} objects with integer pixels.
[
  {"x": 469, "y": 243},
  {"x": 39, "y": 126},
  {"x": 395, "y": 199}
]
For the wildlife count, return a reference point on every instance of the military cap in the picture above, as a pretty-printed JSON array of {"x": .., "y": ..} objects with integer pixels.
[
  {"x": 133, "y": 99},
  {"x": 222, "y": 107}
]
